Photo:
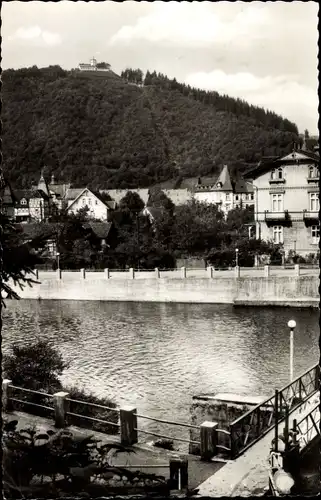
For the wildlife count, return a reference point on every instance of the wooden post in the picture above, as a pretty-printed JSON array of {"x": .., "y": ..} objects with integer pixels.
[
  {"x": 237, "y": 271},
  {"x": 128, "y": 425},
  {"x": 156, "y": 273},
  {"x": 208, "y": 440},
  {"x": 58, "y": 271},
  {"x": 6, "y": 394},
  {"x": 266, "y": 271},
  {"x": 37, "y": 274},
  {"x": 178, "y": 473},
  {"x": 210, "y": 271},
  {"x": 297, "y": 269},
  {"x": 131, "y": 273},
  {"x": 276, "y": 420},
  {"x": 83, "y": 273},
  {"x": 61, "y": 407},
  {"x": 106, "y": 271},
  {"x": 183, "y": 272}
]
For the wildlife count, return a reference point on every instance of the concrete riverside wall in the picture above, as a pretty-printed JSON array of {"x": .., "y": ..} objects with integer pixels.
[{"x": 273, "y": 290}]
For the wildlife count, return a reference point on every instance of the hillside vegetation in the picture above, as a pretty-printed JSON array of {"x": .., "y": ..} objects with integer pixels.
[{"x": 110, "y": 131}]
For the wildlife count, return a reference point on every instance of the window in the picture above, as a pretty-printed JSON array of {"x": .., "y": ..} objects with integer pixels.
[
  {"x": 314, "y": 202},
  {"x": 84, "y": 201},
  {"x": 273, "y": 174},
  {"x": 277, "y": 202},
  {"x": 278, "y": 234},
  {"x": 313, "y": 172},
  {"x": 237, "y": 197},
  {"x": 96, "y": 201},
  {"x": 252, "y": 196},
  {"x": 280, "y": 173},
  {"x": 315, "y": 234},
  {"x": 228, "y": 196},
  {"x": 89, "y": 201}
]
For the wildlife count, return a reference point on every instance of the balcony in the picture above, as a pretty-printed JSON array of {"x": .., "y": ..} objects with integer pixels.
[
  {"x": 277, "y": 217},
  {"x": 313, "y": 179},
  {"x": 280, "y": 180},
  {"x": 310, "y": 217}
]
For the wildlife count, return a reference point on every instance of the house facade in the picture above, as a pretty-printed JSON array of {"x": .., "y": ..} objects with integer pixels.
[
  {"x": 224, "y": 192},
  {"x": 287, "y": 201},
  {"x": 97, "y": 208}
]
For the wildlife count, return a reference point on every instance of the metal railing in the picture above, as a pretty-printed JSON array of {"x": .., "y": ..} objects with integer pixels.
[
  {"x": 309, "y": 427},
  {"x": 253, "y": 425},
  {"x": 36, "y": 395}
]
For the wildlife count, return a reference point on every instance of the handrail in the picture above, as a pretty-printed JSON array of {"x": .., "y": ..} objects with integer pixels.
[
  {"x": 92, "y": 404},
  {"x": 170, "y": 422},
  {"x": 31, "y": 390},
  {"x": 92, "y": 419},
  {"x": 166, "y": 437}
]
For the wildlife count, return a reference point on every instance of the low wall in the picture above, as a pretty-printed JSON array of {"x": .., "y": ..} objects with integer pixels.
[{"x": 255, "y": 290}]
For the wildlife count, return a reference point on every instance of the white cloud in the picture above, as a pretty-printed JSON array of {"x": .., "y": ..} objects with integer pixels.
[
  {"x": 35, "y": 33},
  {"x": 195, "y": 23},
  {"x": 281, "y": 94}
]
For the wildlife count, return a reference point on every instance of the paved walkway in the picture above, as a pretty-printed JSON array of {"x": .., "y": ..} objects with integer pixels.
[
  {"x": 248, "y": 475},
  {"x": 143, "y": 457}
]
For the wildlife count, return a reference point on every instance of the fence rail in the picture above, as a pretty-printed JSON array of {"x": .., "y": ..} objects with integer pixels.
[{"x": 250, "y": 427}]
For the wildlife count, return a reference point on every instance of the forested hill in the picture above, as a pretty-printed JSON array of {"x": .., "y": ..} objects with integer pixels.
[{"x": 111, "y": 131}]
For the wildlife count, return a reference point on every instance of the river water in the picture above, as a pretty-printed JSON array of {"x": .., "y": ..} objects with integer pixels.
[{"x": 156, "y": 356}]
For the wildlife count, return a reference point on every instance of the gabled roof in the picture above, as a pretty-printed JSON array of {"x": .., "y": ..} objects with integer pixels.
[
  {"x": 73, "y": 193},
  {"x": 294, "y": 158},
  {"x": 97, "y": 195},
  {"x": 100, "y": 229},
  {"x": 242, "y": 186},
  {"x": 59, "y": 189},
  {"x": 6, "y": 193},
  {"x": 23, "y": 193},
  {"x": 225, "y": 179},
  {"x": 42, "y": 184}
]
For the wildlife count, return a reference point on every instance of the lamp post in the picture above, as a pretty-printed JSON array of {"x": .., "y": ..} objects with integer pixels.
[
  {"x": 291, "y": 325},
  {"x": 58, "y": 255},
  {"x": 236, "y": 257}
]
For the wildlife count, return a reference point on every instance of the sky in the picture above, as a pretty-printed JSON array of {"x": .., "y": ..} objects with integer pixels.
[{"x": 263, "y": 52}]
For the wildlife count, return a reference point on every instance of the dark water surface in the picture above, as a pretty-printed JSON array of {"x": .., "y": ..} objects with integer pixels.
[{"x": 156, "y": 356}]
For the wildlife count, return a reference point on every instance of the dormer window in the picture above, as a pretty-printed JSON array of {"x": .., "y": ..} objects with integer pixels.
[
  {"x": 280, "y": 173},
  {"x": 219, "y": 185},
  {"x": 277, "y": 175},
  {"x": 23, "y": 201}
]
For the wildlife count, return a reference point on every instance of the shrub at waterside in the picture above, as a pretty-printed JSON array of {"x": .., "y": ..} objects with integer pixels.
[{"x": 38, "y": 367}]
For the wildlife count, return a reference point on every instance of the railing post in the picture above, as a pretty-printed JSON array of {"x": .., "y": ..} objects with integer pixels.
[
  {"x": 208, "y": 440},
  {"x": 210, "y": 272},
  {"x": 131, "y": 273},
  {"x": 6, "y": 394},
  {"x": 58, "y": 272},
  {"x": 266, "y": 271},
  {"x": 128, "y": 425},
  {"x": 106, "y": 271},
  {"x": 156, "y": 273},
  {"x": 178, "y": 473},
  {"x": 297, "y": 269},
  {"x": 61, "y": 406},
  {"x": 237, "y": 271},
  {"x": 317, "y": 378},
  {"x": 276, "y": 420},
  {"x": 83, "y": 273},
  {"x": 37, "y": 274},
  {"x": 183, "y": 272},
  {"x": 286, "y": 428}
]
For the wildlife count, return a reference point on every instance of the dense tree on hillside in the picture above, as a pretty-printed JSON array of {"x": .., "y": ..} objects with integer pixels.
[{"x": 104, "y": 133}]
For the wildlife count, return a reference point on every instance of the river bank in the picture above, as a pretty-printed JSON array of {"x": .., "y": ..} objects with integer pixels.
[{"x": 273, "y": 290}]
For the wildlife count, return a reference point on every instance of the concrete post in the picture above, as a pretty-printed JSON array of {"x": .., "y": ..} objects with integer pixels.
[
  {"x": 256, "y": 260},
  {"x": 297, "y": 269},
  {"x": 131, "y": 273},
  {"x": 58, "y": 271},
  {"x": 178, "y": 473},
  {"x": 61, "y": 407},
  {"x": 210, "y": 271},
  {"x": 83, "y": 273},
  {"x": 208, "y": 440},
  {"x": 183, "y": 272},
  {"x": 266, "y": 271},
  {"x": 237, "y": 271},
  {"x": 6, "y": 394},
  {"x": 128, "y": 425},
  {"x": 106, "y": 271},
  {"x": 156, "y": 272}
]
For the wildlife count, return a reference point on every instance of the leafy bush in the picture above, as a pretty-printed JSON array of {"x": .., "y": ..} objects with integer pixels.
[
  {"x": 50, "y": 464},
  {"x": 92, "y": 411}
]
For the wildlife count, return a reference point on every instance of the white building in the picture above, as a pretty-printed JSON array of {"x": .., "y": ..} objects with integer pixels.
[{"x": 81, "y": 198}]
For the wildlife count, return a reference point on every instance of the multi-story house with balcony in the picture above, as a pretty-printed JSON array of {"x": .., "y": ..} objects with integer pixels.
[
  {"x": 224, "y": 192},
  {"x": 287, "y": 201}
]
